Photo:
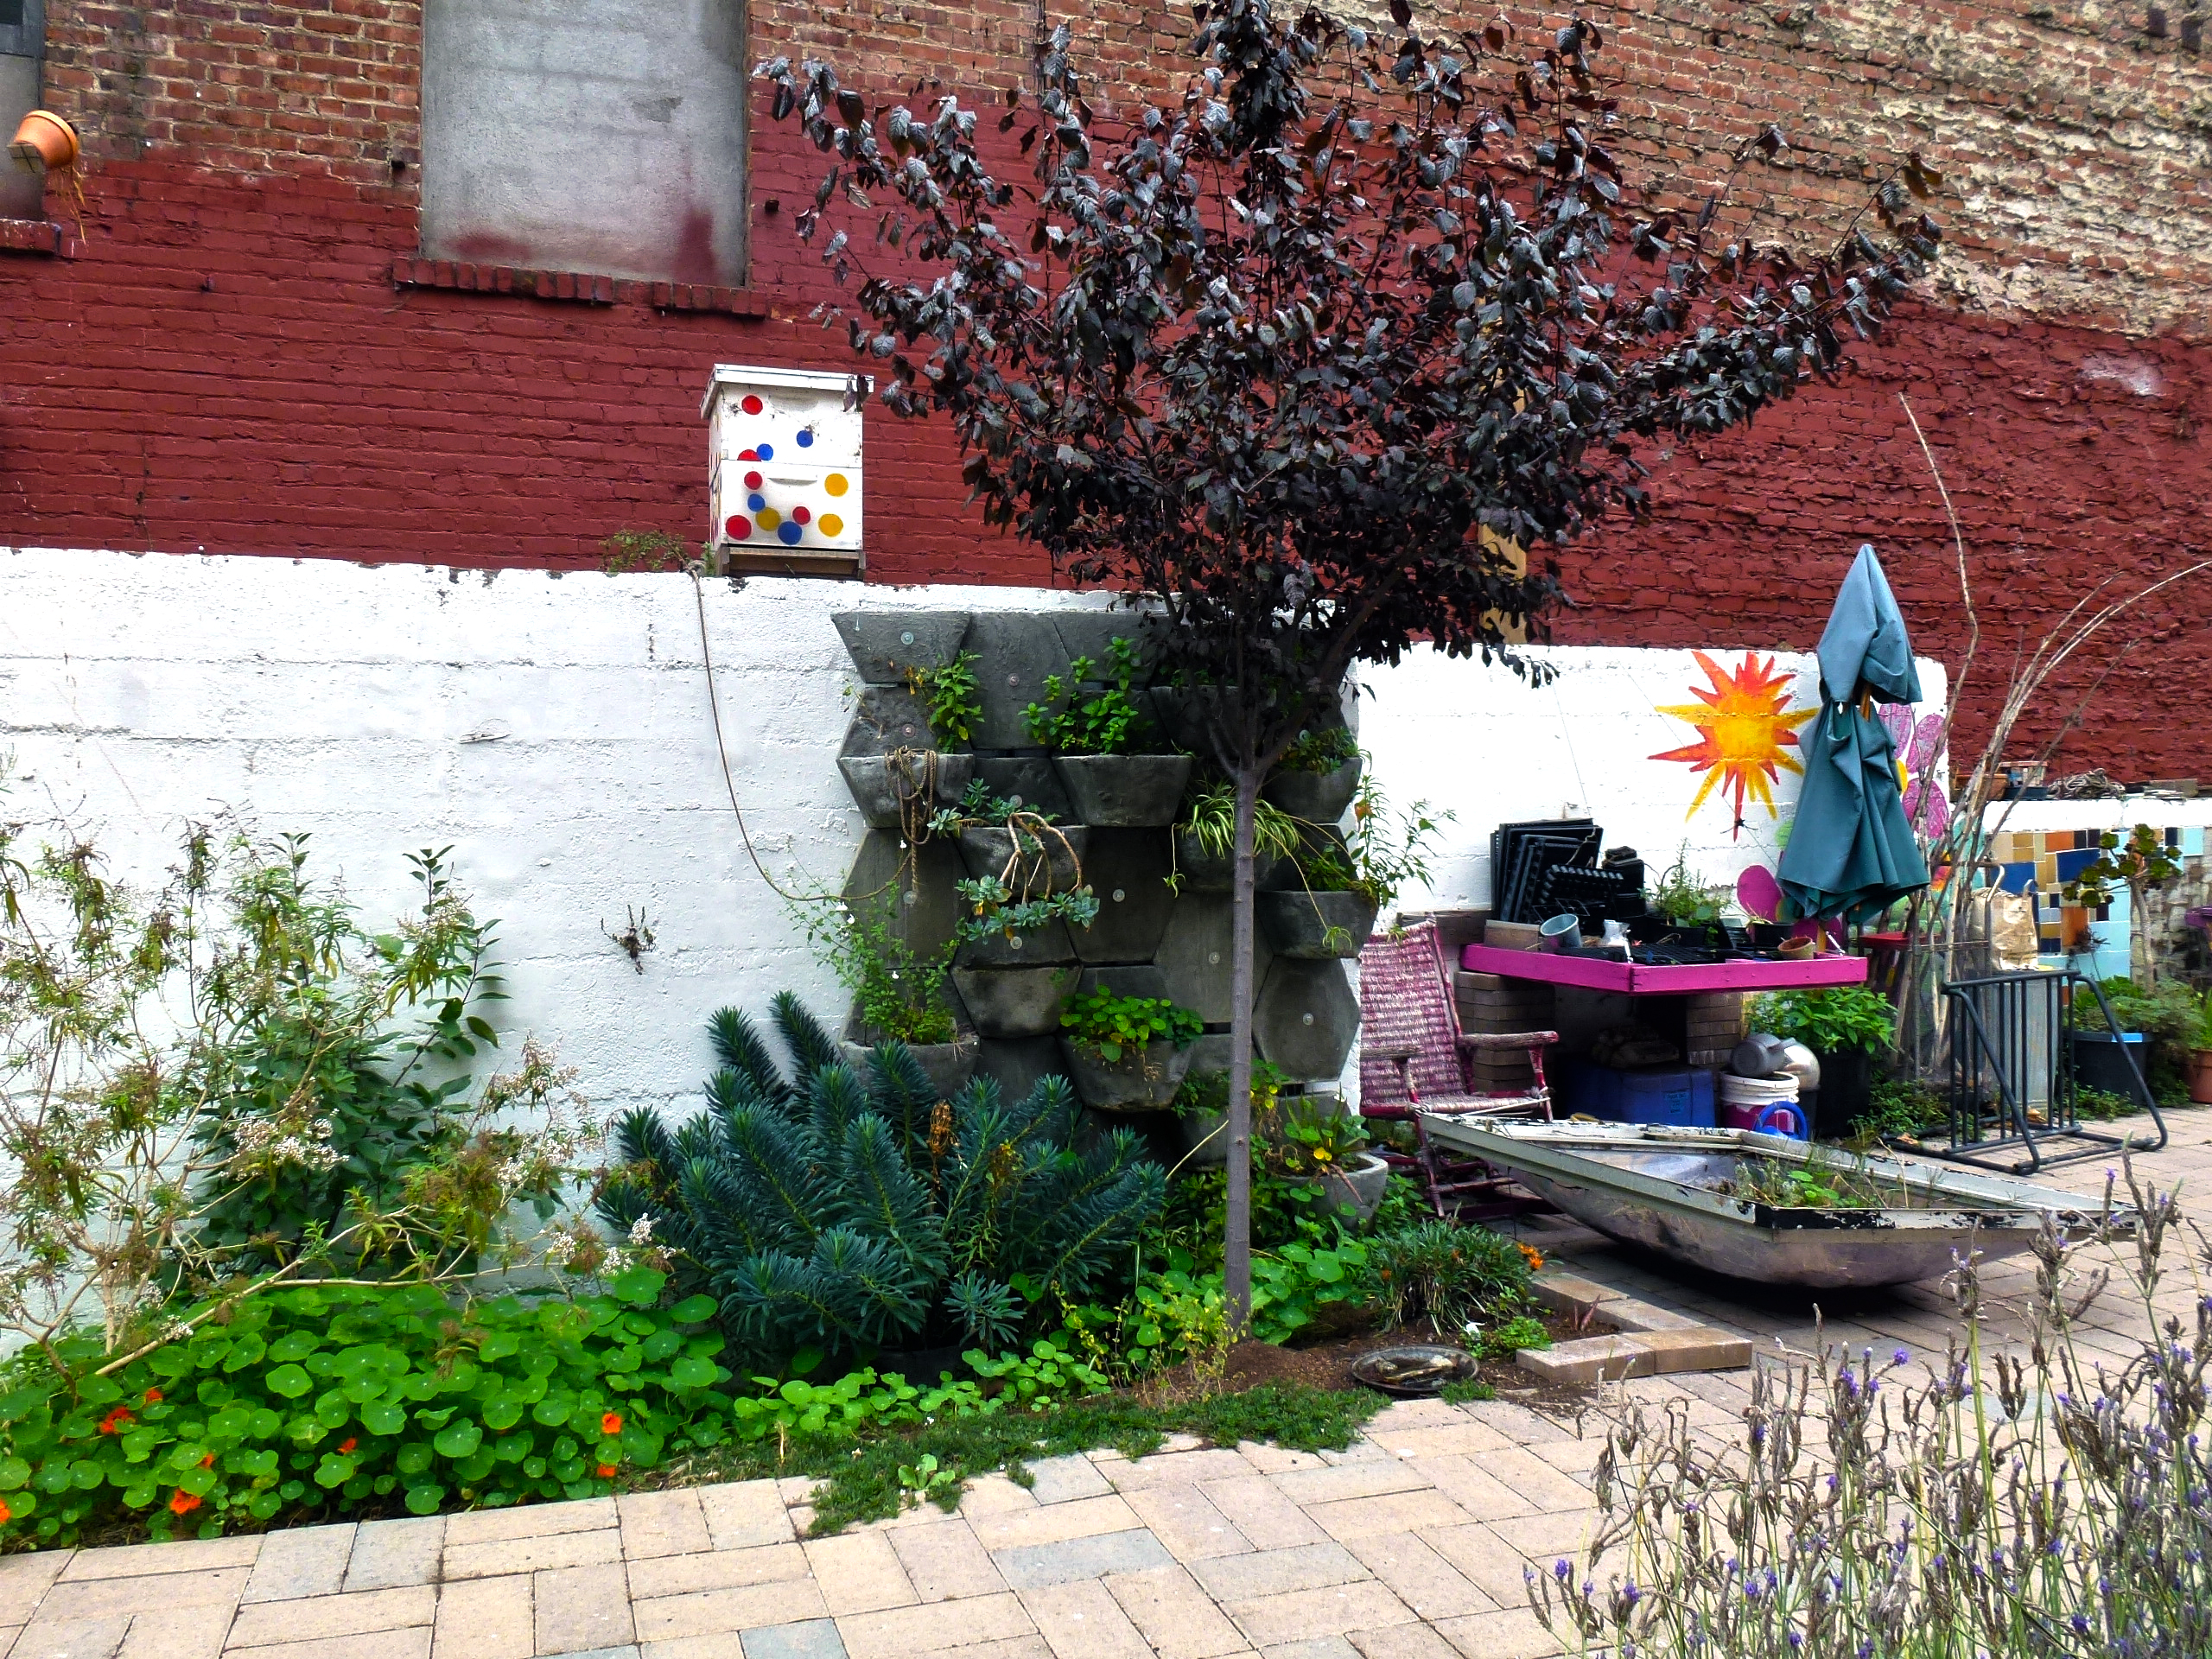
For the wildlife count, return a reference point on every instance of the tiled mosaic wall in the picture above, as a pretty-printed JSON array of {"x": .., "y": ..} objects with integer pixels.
[{"x": 2040, "y": 863}]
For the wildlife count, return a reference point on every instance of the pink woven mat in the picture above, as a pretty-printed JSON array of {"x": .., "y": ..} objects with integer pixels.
[{"x": 1404, "y": 1001}]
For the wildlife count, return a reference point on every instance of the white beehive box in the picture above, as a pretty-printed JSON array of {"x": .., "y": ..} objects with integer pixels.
[{"x": 784, "y": 445}]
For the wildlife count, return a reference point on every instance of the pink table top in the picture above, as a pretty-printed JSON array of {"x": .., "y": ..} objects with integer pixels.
[{"x": 1635, "y": 979}]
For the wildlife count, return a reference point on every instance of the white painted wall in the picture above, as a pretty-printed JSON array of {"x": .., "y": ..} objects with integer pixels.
[{"x": 554, "y": 732}]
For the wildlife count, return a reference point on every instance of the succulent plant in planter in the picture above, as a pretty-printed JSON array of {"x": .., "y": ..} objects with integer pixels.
[
  {"x": 1317, "y": 776},
  {"x": 1104, "y": 744},
  {"x": 1127, "y": 1053}
]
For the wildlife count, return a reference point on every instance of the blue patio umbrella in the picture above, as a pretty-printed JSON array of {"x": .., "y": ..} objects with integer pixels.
[{"x": 1851, "y": 851}]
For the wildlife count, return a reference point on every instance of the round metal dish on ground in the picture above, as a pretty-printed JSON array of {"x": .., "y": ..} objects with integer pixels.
[{"x": 1409, "y": 1373}]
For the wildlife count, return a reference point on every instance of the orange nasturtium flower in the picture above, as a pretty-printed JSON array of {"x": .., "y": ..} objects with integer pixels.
[
  {"x": 347, "y": 1444},
  {"x": 115, "y": 1422},
  {"x": 184, "y": 1504},
  {"x": 1534, "y": 1257},
  {"x": 207, "y": 1462},
  {"x": 611, "y": 1424},
  {"x": 606, "y": 1471},
  {"x": 153, "y": 1396},
  {"x": 6, "y": 1514}
]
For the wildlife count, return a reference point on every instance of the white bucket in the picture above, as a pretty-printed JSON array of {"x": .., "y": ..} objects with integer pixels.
[{"x": 1767, "y": 1104}]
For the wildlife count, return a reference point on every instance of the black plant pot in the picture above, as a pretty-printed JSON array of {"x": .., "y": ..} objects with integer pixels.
[
  {"x": 922, "y": 1366},
  {"x": 1317, "y": 797},
  {"x": 1124, "y": 792},
  {"x": 1315, "y": 926},
  {"x": 1846, "y": 1091}
]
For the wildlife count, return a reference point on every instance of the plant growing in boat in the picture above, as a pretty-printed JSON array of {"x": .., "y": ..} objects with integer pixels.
[{"x": 1114, "y": 1027}]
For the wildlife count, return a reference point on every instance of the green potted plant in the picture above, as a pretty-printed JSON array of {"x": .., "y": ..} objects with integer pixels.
[
  {"x": 1204, "y": 849},
  {"x": 1105, "y": 746},
  {"x": 1347, "y": 880},
  {"x": 1127, "y": 1053},
  {"x": 1845, "y": 1025},
  {"x": 1026, "y": 851},
  {"x": 899, "y": 994},
  {"x": 1313, "y": 1138},
  {"x": 901, "y": 788},
  {"x": 2160, "y": 1027},
  {"x": 1685, "y": 899},
  {"x": 1317, "y": 776}
]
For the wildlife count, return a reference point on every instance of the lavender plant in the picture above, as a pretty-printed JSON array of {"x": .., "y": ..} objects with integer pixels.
[{"x": 2055, "y": 1502}]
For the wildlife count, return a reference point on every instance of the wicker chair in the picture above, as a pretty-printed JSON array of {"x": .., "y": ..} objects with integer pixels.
[{"x": 1413, "y": 1061}]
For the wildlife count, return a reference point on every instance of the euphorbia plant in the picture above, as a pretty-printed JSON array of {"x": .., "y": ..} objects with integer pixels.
[{"x": 1307, "y": 367}]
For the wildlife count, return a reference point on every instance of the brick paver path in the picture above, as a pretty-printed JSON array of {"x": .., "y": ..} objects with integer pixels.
[{"x": 1408, "y": 1546}]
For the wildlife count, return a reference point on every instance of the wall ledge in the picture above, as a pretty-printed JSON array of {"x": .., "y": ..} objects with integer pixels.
[
  {"x": 583, "y": 288},
  {"x": 33, "y": 236}
]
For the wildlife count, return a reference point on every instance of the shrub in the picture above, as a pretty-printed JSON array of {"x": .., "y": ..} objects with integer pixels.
[
  {"x": 1826, "y": 1020},
  {"x": 846, "y": 1213},
  {"x": 1447, "y": 1274}
]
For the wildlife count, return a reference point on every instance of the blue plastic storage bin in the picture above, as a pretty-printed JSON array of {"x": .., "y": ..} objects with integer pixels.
[{"x": 1672, "y": 1095}]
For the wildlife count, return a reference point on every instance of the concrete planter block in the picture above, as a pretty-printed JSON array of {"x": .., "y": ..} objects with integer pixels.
[
  {"x": 1088, "y": 633},
  {"x": 1205, "y": 1139},
  {"x": 1028, "y": 780},
  {"x": 1198, "y": 870},
  {"x": 915, "y": 883},
  {"x": 1018, "y": 1065},
  {"x": 1018, "y": 650},
  {"x": 886, "y": 718},
  {"x": 1315, "y": 926},
  {"x": 1142, "y": 1081},
  {"x": 1282, "y": 875},
  {"x": 1194, "y": 955},
  {"x": 1306, "y": 1018},
  {"x": 947, "y": 1065},
  {"x": 1358, "y": 1186},
  {"x": 893, "y": 790},
  {"x": 1014, "y": 1002},
  {"x": 1139, "y": 979},
  {"x": 884, "y": 645},
  {"x": 1188, "y": 714},
  {"x": 1124, "y": 792},
  {"x": 1317, "y": 797},
  {"x": 1043, "y": 947},
  {"x": 1050, "y": 859},
  {"x": 1128, "y": 870}
]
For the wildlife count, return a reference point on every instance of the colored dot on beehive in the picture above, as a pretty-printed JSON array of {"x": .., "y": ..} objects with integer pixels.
[
  {"x": 764, "y": 452},
  {"x": 756, "y": 502},
  {"x": 832, "y": 524},
  {"x": 806, "y": 439},
  {"x": 747, "y": 455},
  {"x": 789, "y": 535},
  {"x": 800, "y": 515},
  {"x": 753, "y": 480},
  {"x": 836, "y": 484},
  {"x": 751, "y": 404},
  {"x": 768, "y": 517},
  {"x": 740, "y": 527}
]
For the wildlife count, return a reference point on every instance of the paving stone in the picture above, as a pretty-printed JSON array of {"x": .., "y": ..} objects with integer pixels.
[
  {"x": 1175, "y": 1615},
  {"x": 945, "y": 1561},
  {"x": 1401, "y": 1415},
  {"x": 179, "y": 1633},
  {"x": 487, "y": 1619},
  {"x": 715, "y": 1569},
  {"x": 1271, "y": 1572},
  {"x": 23, "y": 1580},
  {"x": 1420, "y": 1578},
  {"x": 661, "y": 1523},
  {"x": 1570, "y": 1292},
  {"x": 1520, "y": 1426},
  {"x": 1463, "y": 1436},
  {"x": 560, "y": 1549},
  {"x": 1030, "y": 1567},
  {"x": 390, "y": 1554},
  {"x": 1411, "y": 1512},
  {"x": 1275, "y": 1459},
  {"x": 808, "y": 1638},
  {"x": 530, "y": 1521},
  {"x": 1175, "y": 1469},
  {"x": 1058, "y": 1479},
  {"x": 1536, "y": 1480},
  {"x": 746, "y": 1512},
  {"x": 1256, "y": 1506},
  {"x": 1051, "y": 1523},
  {"x": 147, "y": 1560},
  {"x": 1589, "y": 1360},
  {"x": 1372, "y": 1478},
  {"x": 993, "y": 1496},
  {"x": 1474, "y": 1489},
  {"x": 859, "y": 1573},
  {"x": 270, "y": 1622},
  {"x": 142, "y": 1593},
  {"x": 72, "y": 1638},
  {"x": 1302, "y": 1615},
  {"x": 1546, "y": 1538},
  {"x": 411, "y": 1644},
  {"x": 720, "y": 1612},
  {"x": 628, "y": 1650},
  {"x": 899, "y": 1632},
  {"x": 1402, "y": 1641},
  {"x": 1512, "y": 1634},
  {"x": 1320, "y": 1647},
  {"x": 1182, "y": 1518},
  {"x": 1489, "y": 1563},
  {"x": 1701, "y": 1348},
  {"x": 580, "y": 1608},
  {"x": 1080, "y": 1619},
  {"x": 300, "y": 1562}
]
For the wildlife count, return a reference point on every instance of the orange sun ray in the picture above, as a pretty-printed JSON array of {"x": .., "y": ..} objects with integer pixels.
[{"x": 1741, "y": 730}]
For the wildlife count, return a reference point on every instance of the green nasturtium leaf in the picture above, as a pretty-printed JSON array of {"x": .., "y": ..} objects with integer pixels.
[
  {"x": 691, "y": 1372},
  {"x": 287, "y": 1381},
  {"x": 424, "y": 1500},
  {"x": 460, "y": 1440},
  {"x": 693, "y": 1309},
  {"x": 640, "y": 1286},
  {"x": 383, "y": 1417}
]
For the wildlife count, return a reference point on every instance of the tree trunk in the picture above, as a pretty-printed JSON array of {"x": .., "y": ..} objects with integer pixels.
[{"x": 1237, "y": 1232}]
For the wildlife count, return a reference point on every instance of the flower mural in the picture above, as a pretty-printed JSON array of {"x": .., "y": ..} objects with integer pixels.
[
  {"x": 1919, "y": 744},
  {"x": 1744, "y": 727}
]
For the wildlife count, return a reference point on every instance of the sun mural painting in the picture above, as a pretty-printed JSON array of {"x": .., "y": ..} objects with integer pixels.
[{"x": 1744, "y": 732}]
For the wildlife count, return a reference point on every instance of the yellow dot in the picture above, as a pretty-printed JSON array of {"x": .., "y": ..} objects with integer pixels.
[
  {"x": 768, "y": 517},
  {"x": 832, "y": 524},
  {"x": 834, "y": 484}
]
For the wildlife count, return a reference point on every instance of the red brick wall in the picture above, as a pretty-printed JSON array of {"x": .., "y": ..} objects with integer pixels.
[{"x": 224, "y": 362}]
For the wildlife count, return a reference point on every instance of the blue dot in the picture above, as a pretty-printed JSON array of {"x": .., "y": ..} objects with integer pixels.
[
  {"x": 806, "y": 440},
  {"x": 756, "y": 502},
  {"x": 766, "y": 453},
  {"x": 788, "y": 533}
]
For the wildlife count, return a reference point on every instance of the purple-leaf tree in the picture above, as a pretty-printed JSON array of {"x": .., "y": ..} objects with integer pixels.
[{"x": 1308, "y": 360}]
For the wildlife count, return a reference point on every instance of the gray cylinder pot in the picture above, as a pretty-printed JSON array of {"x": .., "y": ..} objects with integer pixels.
[
  {"x": 1316, "y": 796},
  {"x": 1014, "y": 1001},
  {"x": 1049, "y": 857},
  {"x": 947, "y": 1065},
  {"x": 882, "y": 783},
  {"x": 1142, "y": 1081},
  {"x": 1205, "y": 1135},
  {"x": 1359, "y": 1185},
  {"x": 1124, "y": 792},
  {"x": 1315, "y": 926}
]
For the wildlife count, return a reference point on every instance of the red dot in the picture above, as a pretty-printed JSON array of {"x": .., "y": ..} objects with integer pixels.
[
  {"x": 740, "y": 527},
  {"x": 747, "y": 455},
  {"x": 800, "y": 515},
  {"x": 753, "y": 480},
  {"x": 751, "y": 404}
]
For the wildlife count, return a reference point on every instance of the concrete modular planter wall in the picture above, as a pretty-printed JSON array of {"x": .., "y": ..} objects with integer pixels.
[
  {"x": 1317, "y": 797},
  {"x": 947, "y": 1065},
  {"x": 1315, "y": 926},
  {"x": 1048, "y": 858},
  {"x": 889, "y": 788},
  {"x": 1014, "y": 1001},
  {"x": 1142, "y": 1080},
  {"x": 1124, "y": 792}
]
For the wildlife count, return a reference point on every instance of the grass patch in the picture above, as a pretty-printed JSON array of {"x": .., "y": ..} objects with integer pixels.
[
  {"x": 874, "y": 1477},
  {"x": 1467, "y": 1393}
]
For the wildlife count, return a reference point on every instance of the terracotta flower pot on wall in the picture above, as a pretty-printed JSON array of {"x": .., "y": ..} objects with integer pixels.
[{"x": 44, "y": 143}]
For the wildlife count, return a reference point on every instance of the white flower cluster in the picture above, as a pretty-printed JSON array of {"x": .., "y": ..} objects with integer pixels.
[
  {"x": 260, "y": 1142},
  {"x": 641, "y": 1232},
  {"x": 560, "y": 1249}
]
